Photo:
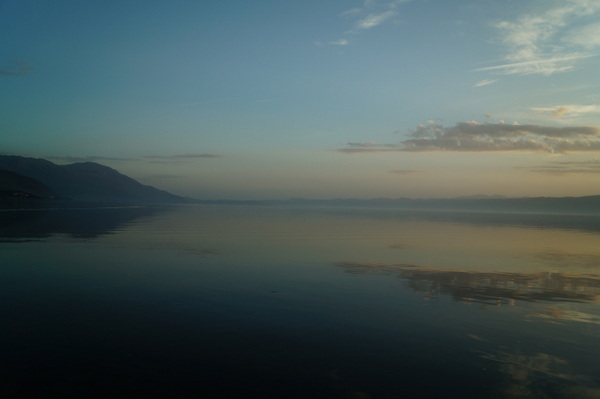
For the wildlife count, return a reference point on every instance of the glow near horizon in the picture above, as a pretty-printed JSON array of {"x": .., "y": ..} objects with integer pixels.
[{"x": 310, "y": 99}]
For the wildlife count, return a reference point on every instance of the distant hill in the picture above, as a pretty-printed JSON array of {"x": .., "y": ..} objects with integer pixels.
[
  {"x": 564, "y": 205},
  {"x": 82, "y": 181},
  {"x": 531, "y": 205},
  {"x": 14, "y": 185}
]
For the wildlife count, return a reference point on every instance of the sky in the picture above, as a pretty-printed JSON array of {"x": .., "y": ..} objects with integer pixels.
[{"x": 316, "y": 99}]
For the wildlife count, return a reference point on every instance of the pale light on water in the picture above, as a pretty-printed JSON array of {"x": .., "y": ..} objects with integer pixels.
[{"x": 218, "y": 301}]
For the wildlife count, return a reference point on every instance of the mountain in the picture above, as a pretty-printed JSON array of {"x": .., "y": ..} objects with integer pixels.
[
  {"x": 84, "y": 181},
  {"x": 15, "y": 185}
]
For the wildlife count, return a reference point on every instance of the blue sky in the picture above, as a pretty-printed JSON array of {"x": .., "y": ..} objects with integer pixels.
[{"x": 318, "y": 99}]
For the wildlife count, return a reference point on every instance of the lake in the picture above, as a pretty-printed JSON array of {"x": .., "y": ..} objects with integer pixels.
[{"x": 225, "y": 301}]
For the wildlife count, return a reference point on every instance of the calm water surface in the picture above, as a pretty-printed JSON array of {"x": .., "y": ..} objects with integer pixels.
[{"x": 233, "y": 302}]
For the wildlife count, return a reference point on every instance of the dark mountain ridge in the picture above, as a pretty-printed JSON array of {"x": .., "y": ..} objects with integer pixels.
[
  {"x": 15, "y": 185},
  {"x": 38, "y": 178},
  {"x": 84, "y": 181}
]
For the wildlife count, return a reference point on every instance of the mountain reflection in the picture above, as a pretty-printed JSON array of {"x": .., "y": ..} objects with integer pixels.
[
  {"x": 487, "y": 287},
  {"x": 35, "y": 224}
]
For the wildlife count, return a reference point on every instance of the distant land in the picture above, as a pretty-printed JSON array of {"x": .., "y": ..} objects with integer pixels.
[
  {"x": 541, "y": 205},
  {"x": 15, "y": 185},
  {"x": 34, "y": 178}
]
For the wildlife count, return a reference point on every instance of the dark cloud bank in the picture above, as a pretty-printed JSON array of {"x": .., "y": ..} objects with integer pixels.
[{"x": 476, "y": 137}]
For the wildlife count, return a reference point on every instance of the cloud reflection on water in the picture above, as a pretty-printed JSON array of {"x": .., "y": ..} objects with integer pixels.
[
  {"x": 525, "y": 373},
  {"x": 490, "y": 288},
  {"x": 531, "y": 359}
]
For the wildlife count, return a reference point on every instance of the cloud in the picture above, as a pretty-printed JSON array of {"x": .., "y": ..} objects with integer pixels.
[
  {"x": 549, "y": 41},
  {"x": 364, "y": 145},
  {"x": 153, "y": 158},
  {"x": 475, "y": 137},
  {"x": 340, "y": 42},
  {"x": 587, "y": 36},
  {"x": 485, "y": 82},
  {"x": 184, "y": 156},
  {"x": 373, "y": 13},
  {"x": 351, "y": 12},
  {"x": 369, "y": 147},
  {"x": 86, "y": 159},
  {"x": 538, "y": 65},
  {"x": 560, "y": 111},
  {"x": 15, "y": 69},
  {"x": 572, "y": 110},
  {"x": 372, "y": 151},
  {"x": 373, "y": 20},
  {"x": 567, "y": 167}
]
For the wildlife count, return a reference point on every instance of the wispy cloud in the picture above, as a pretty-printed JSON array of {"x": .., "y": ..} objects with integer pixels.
[
  {"x": 369, "y": 147},
  {"x": 15, "y": 69},
  {"x": 485, "y": 82},
  {"x": 390, "y": 148},
  {"x": 549, "y": 41},
  {"x": 538, "y": 65},
  {"x": 152, "y": 158},
  {"x": 372, "y": 14},
  {"x": 373, "y": 20},
  {"x": 86, "y": 159},
  {"x": 339, "y": 42},
  {"x": 567, "y": 167},
  {"x": 183, "y": 156},
  {"x": 568, "y": 110},
  {"x": 486, "y": 137},
  {"x": 351, "y": 12},
  {"x": 587, "y": 36},
  {"x": 364, "y": 145}
]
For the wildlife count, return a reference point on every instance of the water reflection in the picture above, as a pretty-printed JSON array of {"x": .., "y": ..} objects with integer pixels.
[
  {"x": 588, "y": 223},
  {"x": 209, "y": 301},
  {"x": 531, "y": 376},
  {"x": 488, "y": 288},
  {"x": 24, "y": 225},
  {"x": 560, "y": 259},
  {"x": 541, "y": 339}
]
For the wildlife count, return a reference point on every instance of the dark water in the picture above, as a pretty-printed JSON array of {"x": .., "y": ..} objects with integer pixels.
[{"x": 238, "y": 302}]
